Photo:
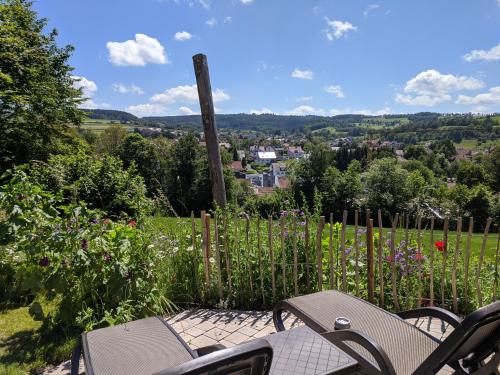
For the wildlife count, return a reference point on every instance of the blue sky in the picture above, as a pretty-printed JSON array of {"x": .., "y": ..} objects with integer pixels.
[{"x": 284, "y": 56}]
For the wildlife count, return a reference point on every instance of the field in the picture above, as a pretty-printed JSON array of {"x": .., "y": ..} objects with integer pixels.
[
  {"x": 473, "y": 144},
  {"x": 99, "y": 126}
]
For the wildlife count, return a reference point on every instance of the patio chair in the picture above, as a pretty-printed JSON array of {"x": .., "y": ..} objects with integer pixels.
[
  {"x": 151, "y": 346},
  {"x": 385, "y": 343}
]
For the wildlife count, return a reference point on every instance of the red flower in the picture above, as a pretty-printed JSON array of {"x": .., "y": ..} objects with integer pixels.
[
  {"x": 389, "y": 258},
  {"x": 419, "y": 256},
  {"x": 439, "y": 245},
  {"x": 132, "y": 223},
  {"x": 106, "y": 221}
]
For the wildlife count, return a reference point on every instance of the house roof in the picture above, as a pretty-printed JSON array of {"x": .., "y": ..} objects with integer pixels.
[
  {"x": 267, "y": 155},
  {"x": 236, "y": 166}
]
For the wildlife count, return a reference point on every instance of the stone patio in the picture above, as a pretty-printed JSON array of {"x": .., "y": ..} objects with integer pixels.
[{"x": 202, "y": 327}]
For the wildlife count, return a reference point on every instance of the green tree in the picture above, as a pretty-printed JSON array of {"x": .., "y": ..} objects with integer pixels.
[
  {"x": 341, "y": 189},
  {"x": 471, "y": 174},
  {"x": 111, "y": 140},
  {"x": 37, "y": 96},
  {"x": 385, "y": 185}
]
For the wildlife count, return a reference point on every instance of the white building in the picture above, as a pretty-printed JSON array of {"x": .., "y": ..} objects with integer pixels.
[{"x": 265, "y": 158}]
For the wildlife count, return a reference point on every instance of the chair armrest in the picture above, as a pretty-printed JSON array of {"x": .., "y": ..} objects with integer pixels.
[
  {"x": 209, "y": 349},
  {"x": 255, "y": 355},
  {"x": 340, "y": 338},
  {"x": 434, "y": 312}
]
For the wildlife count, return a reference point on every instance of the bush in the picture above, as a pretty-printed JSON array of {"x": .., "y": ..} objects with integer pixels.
[
  {"x": 100, "y": 272},
  {"x": 101, "y": 183}
]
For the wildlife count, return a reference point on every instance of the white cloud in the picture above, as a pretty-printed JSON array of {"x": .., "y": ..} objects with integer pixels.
[
  {"x": 182, "y": 36},
  {"x": 430, "y": 87},
  {"x": 368, "y": 112},
  {"x": 211, "y": 22},
  {"x": 492, "y": 97},
  {"x": 480, "y": 54},
  {"x": 147, "y": 109},
  {"x": 261, "y": 111},
  {"x": 228, "y": 19},
  {"x": 303, "y": 74},
  {"x": 336, "y": 29},
  {"x": 370, "y": 8},
  {"x": 88, "y": 87},
  {"x": 204, "y": 3},
  {"x": 186, "y": 94},
  {"x": 187, "y": 111},
  {"x": 138, "y": 52},
  {"x": 304, "y": 98},
  {"x": 304, "y": 110},
  {"x": 335, "y": 90},
  {"x": 124, "y": 89},
  {"x": 246, "y": 1},
  {"x": 498, "y": 3}
]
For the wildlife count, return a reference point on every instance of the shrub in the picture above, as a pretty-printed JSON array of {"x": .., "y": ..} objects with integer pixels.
[{"x": 99, "y": 271}]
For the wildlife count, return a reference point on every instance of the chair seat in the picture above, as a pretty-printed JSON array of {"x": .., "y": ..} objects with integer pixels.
[
  {"x": 141, "y": 347},
  {"x": 406, "y": 346}
]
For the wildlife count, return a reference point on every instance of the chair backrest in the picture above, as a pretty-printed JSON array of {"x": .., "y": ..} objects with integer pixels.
[{"x": 477, "y": 337}]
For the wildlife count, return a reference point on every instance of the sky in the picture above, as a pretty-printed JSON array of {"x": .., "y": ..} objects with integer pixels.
[{"x": 299, "y": 57}]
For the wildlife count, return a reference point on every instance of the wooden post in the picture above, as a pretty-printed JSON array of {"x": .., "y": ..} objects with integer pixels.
[
  {"x": 210, "y": 128},
  {"x": 283, "y": 253},
  {"x": 319, "y": 252},
  {"x": 207, "y": 248},
  {"x": 495, "y": 283},
  {"x": 467, "y": 257},
  {"x": 295, "y": 259},
  {"x": 343, "y": 254},
  {"x": 419, "y": 260},
  {"x": 380, "y": 259},
  {"x": 330, "y": 252},
  {"x": 408, "y": 279},
  {"x": 431, "y": 263},
  {"x": 393, "y": 263},
  {"x": 356, "y": 252},
  {"x": 480, "y": 263},
  {"x": 261, "y": 273},
  {"x": 370, "y": 261},
  {"x": 271, "y": 255},
  {"x": 249, "y": 253},
  {"x": 454, "y": 267},
  {"x": 217, "y": 256},
  {"x": 445, "y": 257},
  {"x": 307, "y": 253},
  {"x": 195, "y": 250},
  {"x": 227, "y": 257}
]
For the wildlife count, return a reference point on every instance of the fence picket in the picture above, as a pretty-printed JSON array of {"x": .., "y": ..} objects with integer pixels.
[
  {"x": 259, "y": 254},
  {"x": 295, "y": 259},
  {"x": 227, "y": 257},
  {"x": 217, "y": 256},
  {"x": 445, "y": 258},
  {"x": 455, "y": 263},
  {"x": 495, "y": 282},
  {"x": 431, "y": 264},
  {"x": 248, "y": 252},
  {"x": 319, "y": 252},
  {"x": 480, "y": 263},
  {"x": 307, "y": 251},
  {"x": 419, "y": 259},
  {"x": 330, "y": 252},
  {"x": 356, "y": 252},
  {"x": 195, "y": 251},
  {"x": 393, "y": 263},
  {"x": 343, "y": 254},
  {"x": 207, "y": 249},
  {"x": 283, "y": 253},
  {"x": 380, "y": 259},
  {"x": 369, "y": 254},
  {"x": 271, "y": 255},
  {"x": 467, "y": 257}
]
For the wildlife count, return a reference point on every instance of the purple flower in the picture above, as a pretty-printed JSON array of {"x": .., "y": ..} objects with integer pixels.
[
  {"x": 44, "y": 262},
  {"x": 348, "y": 250},
  {"x": 106, "y": 257},
  {"x": 85, "y": 244},
  {"x": 94, "y": 221},
  {"x": 302, "y": 223}
]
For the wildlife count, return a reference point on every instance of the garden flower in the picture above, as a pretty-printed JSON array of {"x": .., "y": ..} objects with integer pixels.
[
  {"x": 419, "y": 256},
  {"x": 44, "y": 262},
  {"x": 94, "y": 221},
  {"x": 132, "y": 223},
  {"x": 85, "y": 244},
  {"x": 106, "y": 257},
  {"x": 106, "y": 221},
  {"x": 389, "y": 258},
  {"x": 439, "y": 245},
  {"x": 302, "y": 223}
]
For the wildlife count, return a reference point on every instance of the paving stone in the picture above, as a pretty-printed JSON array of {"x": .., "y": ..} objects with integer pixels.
[
  {"x": 194, "y": 331},
  {"x": 237, "y": 338},
  {"x": 217, "y": 333},
  {"x": 246, "y": 330},
  {"x": 201, "y": 341}
]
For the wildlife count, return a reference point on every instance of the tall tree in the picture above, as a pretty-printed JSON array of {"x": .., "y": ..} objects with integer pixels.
[{"x": 37, "y": 96}]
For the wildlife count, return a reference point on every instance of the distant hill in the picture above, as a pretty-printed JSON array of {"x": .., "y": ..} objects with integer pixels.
[{"x": 111, "y": 115}]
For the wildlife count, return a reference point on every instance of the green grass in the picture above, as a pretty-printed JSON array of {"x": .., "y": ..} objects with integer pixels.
[
  {"x": 99, "y": 126},
  {"x": 24, "y": 345},
  {"x": 472, "y": 144}
]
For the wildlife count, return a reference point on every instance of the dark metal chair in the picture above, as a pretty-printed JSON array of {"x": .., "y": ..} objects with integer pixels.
[
  {"x": 385, "y": 343},
  {"x": 151, "y": 346}
]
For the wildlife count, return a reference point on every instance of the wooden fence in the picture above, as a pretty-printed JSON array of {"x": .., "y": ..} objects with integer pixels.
[{"x": 263, "y": 260}]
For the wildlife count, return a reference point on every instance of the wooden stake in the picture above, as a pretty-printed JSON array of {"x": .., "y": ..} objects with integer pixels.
[
  {"x": 343, "y": 254},
  {"x": 431, "y": 263},
  {"x": 380, "y": 259},
  {"x": 307, "y": 253},
  {"x": 217, "y": 256},
  {"x": 454, "y": 267},
  {"x": 480, "y": 263},
  {"x": 207, "y": 249},
  {"x": 467, "y": 257},
  {"x": 445, "y": 257},
  {"x": 195, "y": 251},
  {"x": 259, "y": 250},
  {"x": 283, "y": 253},
  {"x": 210, "y": 128},
  {"x": 419, "y": 261},
  {"x": 271, "y": 255},
  {"x": 227, "y": 257},
  {"x": 393, "y": 263},
  {"x": 330, "y": 251},
  {"x": 295, "y": 259},
  {"x": 248, "y": 253},
  {"x": 356, "y": 252},
  {"x": 319, "y": 252},
  {"x": 370, "y": 261}
]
